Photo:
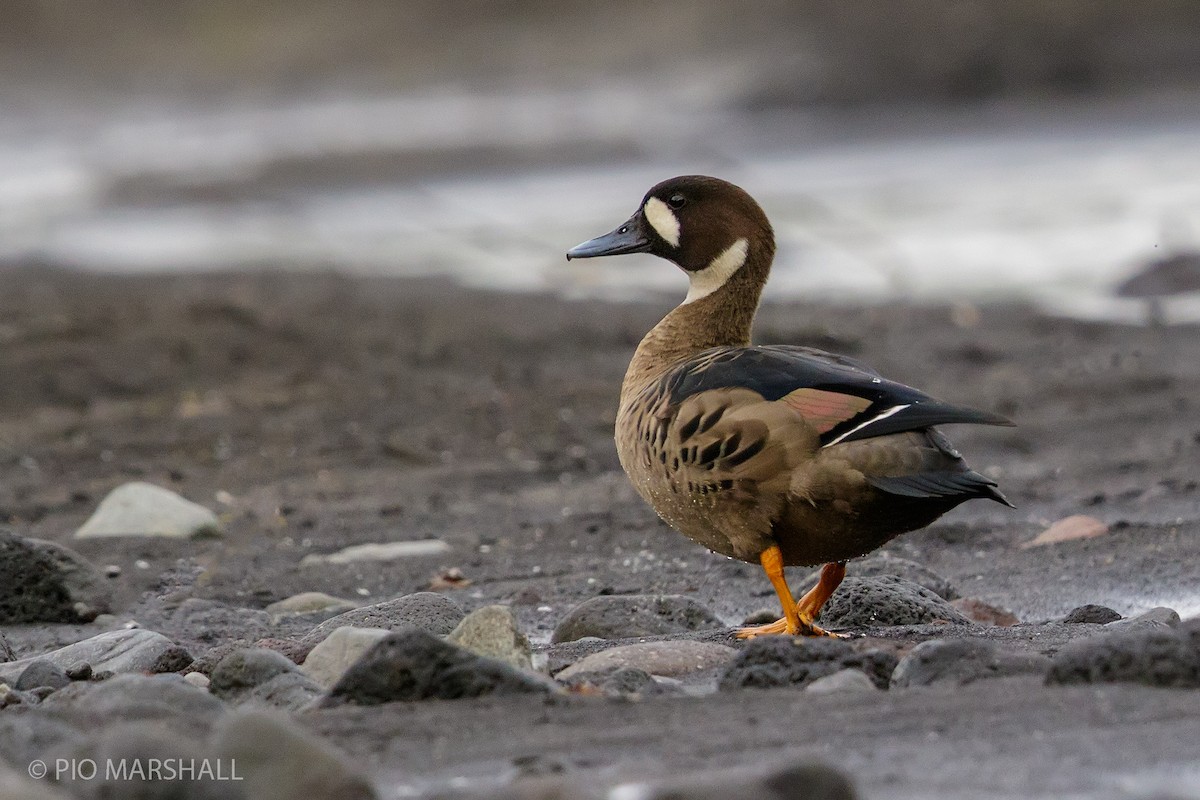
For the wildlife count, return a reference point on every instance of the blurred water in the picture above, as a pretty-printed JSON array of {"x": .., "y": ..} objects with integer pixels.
[{"x": 1053, "y": 204}]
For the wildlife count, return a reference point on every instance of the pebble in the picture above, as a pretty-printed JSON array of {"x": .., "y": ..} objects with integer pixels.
[
  {"x": 1158, "y": 617},
  {"x": 316, "y": 606},
  {"x": 1153, "y": 656},
  {"x": 492, "y": 631},
  {"x": 982, "y": 613},
  {"x": 198, "y": 679},
  {"x": 1078, "y": 526},
  {"x": 1091, "y": 613},
  {"x": 797, "y": 661},
  {"x": 670, "y": 659},
  {"x": 242, "y": 670},
  {"x": 810, "y": 781},
  {"x": 143, "y": 509},
  {"x": 886, "y": 600},
  {"x": 45, "y": 582},
  {"x": 330, "y": 659},
  {"x": 631, "y": 616},
  {"x": 428, "y": 611},
  {"x": 289, "y": 691},
  {"x": 42, "y": 672},
  {"x": 625, "y": 682},
  {"x": 962, "y": 661},
  {"x": 382, "y": 551},
  {"x": 135, "y": 650},
  {"x": 411, "y": 664},
  {"x": 277, "y": 760},
  {"x": 79, "y": 671},
  {"x": 846, "y": 680}
]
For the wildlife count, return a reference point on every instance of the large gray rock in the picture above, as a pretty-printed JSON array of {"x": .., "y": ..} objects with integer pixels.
[
  {"x": 136, "y": 650},
  {"x": 797, "y": 661},
  {"x": 427, "y": 611},
  {"x": 1154, "y": 656},
  {"x": 411, "y": 664},
  {"x": 239, "y": 672},
  {"x": 143, "y": 509},
  {"x": 885, "y": 600},
  {"x": 329, "y": 660},
  {"x": 492, "y": 631},
  {"x": 45, "y": 582},
  {"x": 669, "y": 659},
  {"x": 278, "y": 760},
  {"x": 138, "y": 698},
  {"x": 630, "y": 616},
  {"x": 963, "y": 661}
]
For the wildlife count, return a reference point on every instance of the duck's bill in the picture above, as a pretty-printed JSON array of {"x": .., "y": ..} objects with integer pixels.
[{"x": 625, "y": 239}]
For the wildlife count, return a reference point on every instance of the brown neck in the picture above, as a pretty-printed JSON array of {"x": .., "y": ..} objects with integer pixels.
[{"x": 723, "y": 318}]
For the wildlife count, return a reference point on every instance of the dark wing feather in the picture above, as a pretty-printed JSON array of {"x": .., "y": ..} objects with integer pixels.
[{"x": 776, "y": 371}]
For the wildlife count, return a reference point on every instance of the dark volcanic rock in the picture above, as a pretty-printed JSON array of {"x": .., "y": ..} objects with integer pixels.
[
  {"x": 42, "y": 673},
  {"x": 883, "y": 601},
  {"x": 411, "y": 664},
  {"x": 882, "y": 564},
  {"x": 1157, "y": 656},
  {"x": 242, "y": 670},
  {"x": 427, "y": 611},
  {"x": 46, "y": 582},
  {"x": 796, "y": 661},
  {"x": 962, "y": 661},
  {"x": 629, "y": 616},
  {"x": 1098, "y": 615}
]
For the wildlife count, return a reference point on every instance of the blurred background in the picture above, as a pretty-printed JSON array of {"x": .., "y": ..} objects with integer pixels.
[{"x": 925, "y": 149}]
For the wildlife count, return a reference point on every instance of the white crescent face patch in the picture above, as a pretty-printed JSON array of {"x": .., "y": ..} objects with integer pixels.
[
  {"x": 704, "y": 282},
  {"x": 663, "y": 220}
]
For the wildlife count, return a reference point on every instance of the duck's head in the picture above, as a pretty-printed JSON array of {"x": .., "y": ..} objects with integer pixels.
[{"x": 708, "y": 227}]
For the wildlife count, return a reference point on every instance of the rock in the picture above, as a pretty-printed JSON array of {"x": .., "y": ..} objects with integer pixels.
[
  {"x": 962, "y": 661},
  {"x": 16, "y": 785},
  {"x": 294, "y": 650},
  {"x": 139, "y": 698},
  {"x": 630, "y": 616},
  {"x": 42, "y": 672},
  {"x": 209, "y": 621},
  {"x": 884, "y": 564},
  {"x": 385, "y": 551},
  {"x": 1154, "y": 656},
  {"x": 621, "y": 682},
  {"x": 316, "y": 606},
  {"x": 1091, "y": 613},
  {"x": 143, "y": 509},
  {"x": 242, "y": 670},
  {"x": 6, "y": 651},
  {"x": 492, "y": 631},
  {"x": 411, "y": 664},
  {"x": 885, "y": 600},
  {"x": 809, "y": 781},
  {"x": 289, "y": 691},
  {"x": 136, "y": 650},
  {"x": 428, "y": 611},
  {"x": 279, "y": 761},
  {"x": 330, "y": 659},
  {"x": 1157, "y": 617},
  {"x": 198, "y": 679},
  {"x": 45, "y": 582},
  {"x": 1077, "y": 526},
  {"x": 983, "y": 613},
  {"x": 79, "y": 671},
  {"x": 796, "y": 661},
  {"x": 846, "y": 680},
  {"x": 670, "y": 658},
  {"x": 125, "y": 754}
]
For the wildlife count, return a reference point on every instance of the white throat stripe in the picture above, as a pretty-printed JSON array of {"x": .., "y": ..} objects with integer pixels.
[
  {"x": 663, "y": 220},
  {"x": 706, "y": 281}
]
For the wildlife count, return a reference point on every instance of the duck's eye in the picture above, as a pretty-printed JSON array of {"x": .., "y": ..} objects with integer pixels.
[{"x": 677, "y": 201}]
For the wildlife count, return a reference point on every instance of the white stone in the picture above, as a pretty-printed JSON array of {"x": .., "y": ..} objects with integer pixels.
[
  {"x": 309, "y": 603},
  {"x": 143, "y": 509},
  {"x": 846, "y": 680},
  {"x": 330, "y": 659},
  {"x": 384, "y": 551},
  {"x": 668, "y": 658},
  {"x": 134, "y": 650},
  {"x": 197, "y": 679}
]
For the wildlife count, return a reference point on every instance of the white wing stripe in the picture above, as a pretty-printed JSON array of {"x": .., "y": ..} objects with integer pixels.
[{"x": 882, "y": 415}]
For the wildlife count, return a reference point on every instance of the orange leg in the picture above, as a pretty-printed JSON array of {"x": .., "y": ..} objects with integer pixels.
[{"x": 797, "y": 618}]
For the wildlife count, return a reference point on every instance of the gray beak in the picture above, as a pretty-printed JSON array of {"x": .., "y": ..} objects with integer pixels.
[{"x": 625, "y": 239}]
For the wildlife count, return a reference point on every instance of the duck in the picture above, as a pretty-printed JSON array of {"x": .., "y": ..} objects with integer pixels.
[{"x": 773, "y": 454}]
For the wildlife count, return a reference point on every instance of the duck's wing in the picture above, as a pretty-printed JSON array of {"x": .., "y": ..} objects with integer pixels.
[{"x": 840, "y": 398}]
